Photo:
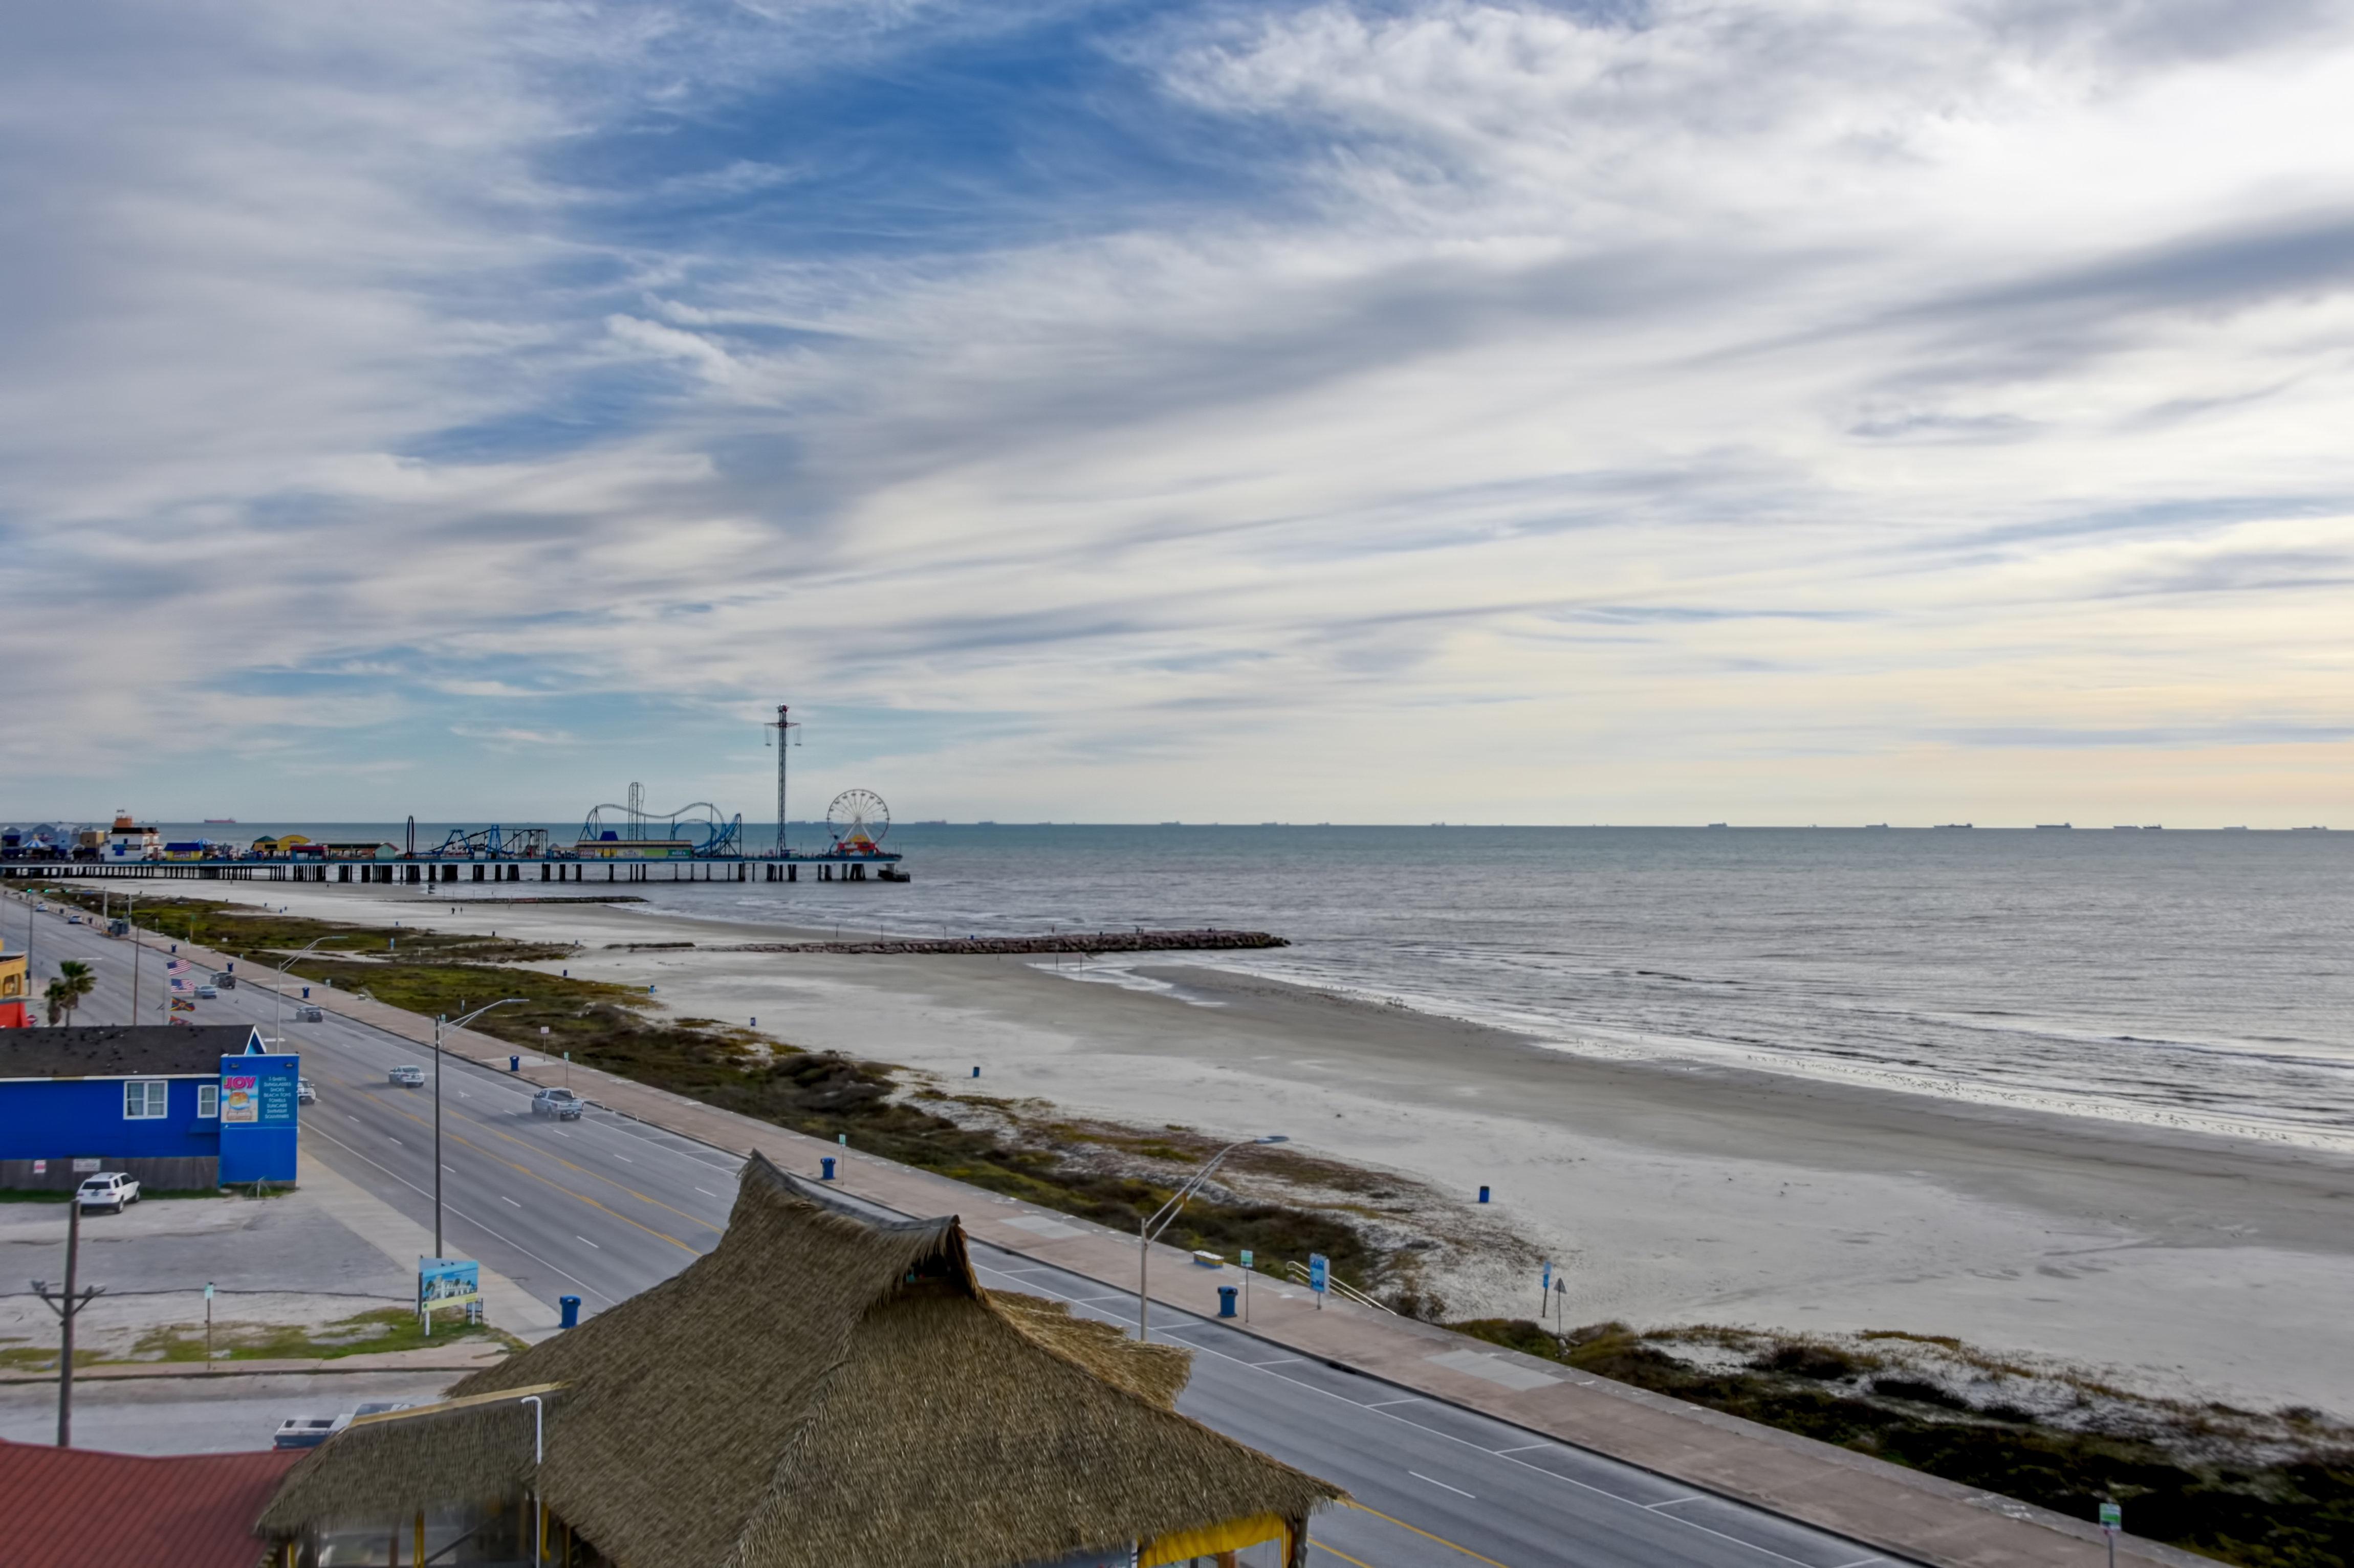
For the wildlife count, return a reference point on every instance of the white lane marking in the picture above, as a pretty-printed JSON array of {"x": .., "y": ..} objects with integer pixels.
[
  {"x": 1674, "y": 1503},
  {"x": 1521, "y": 1449},
  {"x": 1276, "y": 1362},
  {"x": 1459, "y": 1491},
  {"x": 478, "y": 1224},
  {"x": 350, "y": 1117},
  {"x": 578, "y": 1237},
  {"x": 451, "y": 1169},
  {"x": 559, "y": 1132},
  {"x": 504, "y": 1199},
  {"x": 1411, "y": 1399},
  {"x": 623, "y": 1157},
  {"x": 1859, "y": 1563},
  {"x": 1523, "y": 1463},
  {"x": 396, "y": 1140},
  {"x": 706, "y": 1192}
]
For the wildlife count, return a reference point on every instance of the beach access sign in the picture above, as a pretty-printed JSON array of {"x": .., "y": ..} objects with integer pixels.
[
  {"x": 1319, "y": 1272},
  {"x": 2113, "y": 1518},
  {"x": 448, "y": 1282}
]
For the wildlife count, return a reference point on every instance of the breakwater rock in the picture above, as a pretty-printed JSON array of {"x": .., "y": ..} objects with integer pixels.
[{"x": 1060, "y": 942}]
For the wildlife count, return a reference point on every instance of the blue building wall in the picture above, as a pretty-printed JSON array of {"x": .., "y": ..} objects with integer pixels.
[
  {"x": 259, "y": 1129},
  {"x": 59, "y": 1119}
]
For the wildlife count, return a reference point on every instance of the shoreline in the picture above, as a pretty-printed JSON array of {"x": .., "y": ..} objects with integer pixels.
[{"x": 1670, "y": 1191}]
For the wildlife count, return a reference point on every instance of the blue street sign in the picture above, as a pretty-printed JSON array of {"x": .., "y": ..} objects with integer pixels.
[
  {"x": 1548, "y": 1275},
  {"x": 1319, "y": 1270}
]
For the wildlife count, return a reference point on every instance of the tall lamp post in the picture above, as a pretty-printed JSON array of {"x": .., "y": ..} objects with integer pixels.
[
  {"x": 1151, "y": 1227},
  {"x": 278, "y": 1006},
  {"x": 438, "y": 1024}
]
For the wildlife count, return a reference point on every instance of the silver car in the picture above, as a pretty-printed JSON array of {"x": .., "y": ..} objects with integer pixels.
[
  {"x": 409, "y": 1077},
  {"x": 560, "y": 1103}
]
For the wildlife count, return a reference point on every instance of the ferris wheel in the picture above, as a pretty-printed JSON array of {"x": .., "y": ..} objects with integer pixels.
[{"x": 859, "y": 821}]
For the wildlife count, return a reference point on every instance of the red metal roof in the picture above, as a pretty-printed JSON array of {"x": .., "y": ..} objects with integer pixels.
[{"x": 72, "y": 1508}]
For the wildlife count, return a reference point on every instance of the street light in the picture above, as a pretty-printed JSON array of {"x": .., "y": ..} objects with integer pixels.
[
  {"x": 462, "y": 1023},
  {"x": 278, "y": 1008},
  {"x": 1159, "y": 1221}
]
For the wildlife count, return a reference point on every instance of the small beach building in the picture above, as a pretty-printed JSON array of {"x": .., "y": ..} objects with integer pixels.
[
  {"x": 15, "y": 989},
  {"x": 823, "y": 1389},
  {"x": 173, "y": 1105}
]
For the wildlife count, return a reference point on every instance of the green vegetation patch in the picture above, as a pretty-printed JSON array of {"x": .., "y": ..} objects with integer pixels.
[{"x": 2268, "y": 1491}]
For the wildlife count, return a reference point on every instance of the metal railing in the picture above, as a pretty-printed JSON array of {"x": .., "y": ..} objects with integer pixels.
[{"x": 1339, "y": 1286}]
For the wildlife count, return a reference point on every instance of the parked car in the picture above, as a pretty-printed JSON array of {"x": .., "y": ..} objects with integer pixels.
[
  {"x": 409, "y": 1077},
  {"x": 560, "y": 1103},
  {"x": 305, "y": 1092},
  {"x": 207, "y": 993},
  {"x": 107, "y": 1190},
  {"x": 305, "y": 1431},
  {"x": 310, "y": 1015}
]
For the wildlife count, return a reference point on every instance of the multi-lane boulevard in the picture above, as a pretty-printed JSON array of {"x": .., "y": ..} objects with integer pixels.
[{"x": 604, "y": 1207}]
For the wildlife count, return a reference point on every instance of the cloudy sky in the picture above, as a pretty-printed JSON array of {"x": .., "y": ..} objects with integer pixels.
[{"x": 1759, "y": 410}]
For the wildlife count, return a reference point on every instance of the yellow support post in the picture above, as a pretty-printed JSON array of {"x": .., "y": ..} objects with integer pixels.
[{"x": 421, "y": 1537}]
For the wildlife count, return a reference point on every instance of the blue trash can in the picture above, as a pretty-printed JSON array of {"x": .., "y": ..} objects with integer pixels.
[
  {"x": 306, "y": 994},
  {"x": 1483, "y": 1194},
  {"x": 826, "y": 1174},
  {"x": 1227, "y": 1294},
  {"x": 571, "y": 1305},
  {"x": 514, "y": 1063}
]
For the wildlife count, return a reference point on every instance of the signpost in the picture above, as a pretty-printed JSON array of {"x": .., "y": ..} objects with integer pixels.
[
  {"x": 447, "y": 1282},
  {"x": 1544, "y": 1290},
  {"x": 1320, "y": 1273},
  {"x": 1246, "y": 1274},
  {"x": 2113, "y": 1520}
]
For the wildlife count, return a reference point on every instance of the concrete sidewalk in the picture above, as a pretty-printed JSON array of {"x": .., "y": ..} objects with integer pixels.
[
  {"x": 1902, "y": 1512},
  {"x": 457, "y": 1359}
]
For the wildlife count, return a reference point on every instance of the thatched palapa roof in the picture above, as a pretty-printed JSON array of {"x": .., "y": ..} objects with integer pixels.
[{"x": 822, "y": 1391}]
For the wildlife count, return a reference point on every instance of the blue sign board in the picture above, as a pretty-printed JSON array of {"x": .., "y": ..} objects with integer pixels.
[
  {"x": 1319, "y": 1271},
  {"x": 259, "y": 1119},
  {"x": 448, "y": 1282},
  {"x": 1548, "y": 1275}
]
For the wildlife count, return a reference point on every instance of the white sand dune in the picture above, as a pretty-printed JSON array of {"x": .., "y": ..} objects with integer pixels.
[{"x": 1675, "y": 1192}]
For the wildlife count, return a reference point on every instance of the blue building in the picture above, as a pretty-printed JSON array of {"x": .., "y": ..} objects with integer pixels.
[{"x": 175, "y": 1106}]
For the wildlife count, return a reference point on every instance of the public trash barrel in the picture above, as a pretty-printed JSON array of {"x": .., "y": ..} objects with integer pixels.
[
  {"x": 827, "y": 1173},
  {"x": 1227, "y": 1294},
  {"x": 514, "y": 1063},
  {"x": 1483, "y": 1194},
  {"x": 306, "y": 994},
  {"x": 571, "y": 1305}
]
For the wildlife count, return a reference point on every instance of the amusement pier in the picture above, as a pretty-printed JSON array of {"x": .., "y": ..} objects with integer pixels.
[{"x": 616, "y": 843}]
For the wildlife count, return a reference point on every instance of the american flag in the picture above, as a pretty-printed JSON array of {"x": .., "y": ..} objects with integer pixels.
[
  {"x": 178, "y": 966},
  {"x": 179, "y": 983}
]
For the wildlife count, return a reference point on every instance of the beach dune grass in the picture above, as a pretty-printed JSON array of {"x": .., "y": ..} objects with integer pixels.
[
  {"x": 2179, "y": 1475},
  {"x": 823, "y": 1094}
]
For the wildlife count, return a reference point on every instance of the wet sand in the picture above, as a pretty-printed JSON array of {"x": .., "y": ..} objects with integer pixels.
[{"x": 1674, "y": 1192}]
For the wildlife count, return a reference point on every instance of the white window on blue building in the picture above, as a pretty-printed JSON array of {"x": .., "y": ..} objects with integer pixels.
[
  {"x": 208, "y": 1100},
  {"x": 143, "y": 1099}
]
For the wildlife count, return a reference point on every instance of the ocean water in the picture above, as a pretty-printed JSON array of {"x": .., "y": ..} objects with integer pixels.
[{"x": 2195, "y": 978}]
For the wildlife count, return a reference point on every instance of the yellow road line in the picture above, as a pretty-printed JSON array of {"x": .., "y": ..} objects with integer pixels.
[
  {"x": 1442, "y": 1541},
  {"x": 1336, "y": 1552},
  {"x": 583, "y": 1197}
]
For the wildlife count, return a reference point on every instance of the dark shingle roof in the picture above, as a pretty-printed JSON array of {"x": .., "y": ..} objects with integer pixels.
[
  {"x": 166, "y": 1050},
  {"x": 69, "y": 1508}
]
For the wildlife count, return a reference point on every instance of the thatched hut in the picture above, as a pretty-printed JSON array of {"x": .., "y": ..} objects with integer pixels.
[{"x": 822, "y": 1391}]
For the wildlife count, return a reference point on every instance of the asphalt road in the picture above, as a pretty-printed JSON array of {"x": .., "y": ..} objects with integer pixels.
[{"x": 604, "y": 1207}]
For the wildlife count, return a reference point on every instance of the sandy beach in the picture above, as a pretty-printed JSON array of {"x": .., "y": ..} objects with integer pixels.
[{"x": 1673, "y": 1192}]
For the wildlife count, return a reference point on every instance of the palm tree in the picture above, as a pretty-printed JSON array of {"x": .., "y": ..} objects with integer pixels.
[{"x": 74, "y": 983}]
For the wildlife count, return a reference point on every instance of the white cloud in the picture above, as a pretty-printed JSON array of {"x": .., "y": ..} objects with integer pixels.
[{"x": 1757, "y": 398}]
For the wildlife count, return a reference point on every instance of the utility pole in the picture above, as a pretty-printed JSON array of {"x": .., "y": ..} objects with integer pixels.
[
  {"x": 68, "y": 1304},
  {"x": 784, "y": 726},
  {"x": 131, "y": 912}
]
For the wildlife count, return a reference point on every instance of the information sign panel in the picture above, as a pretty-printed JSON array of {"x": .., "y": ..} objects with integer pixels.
[
  {"x": 448, "y": 1282},
  {"x": 1319, "y": 1272}
]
